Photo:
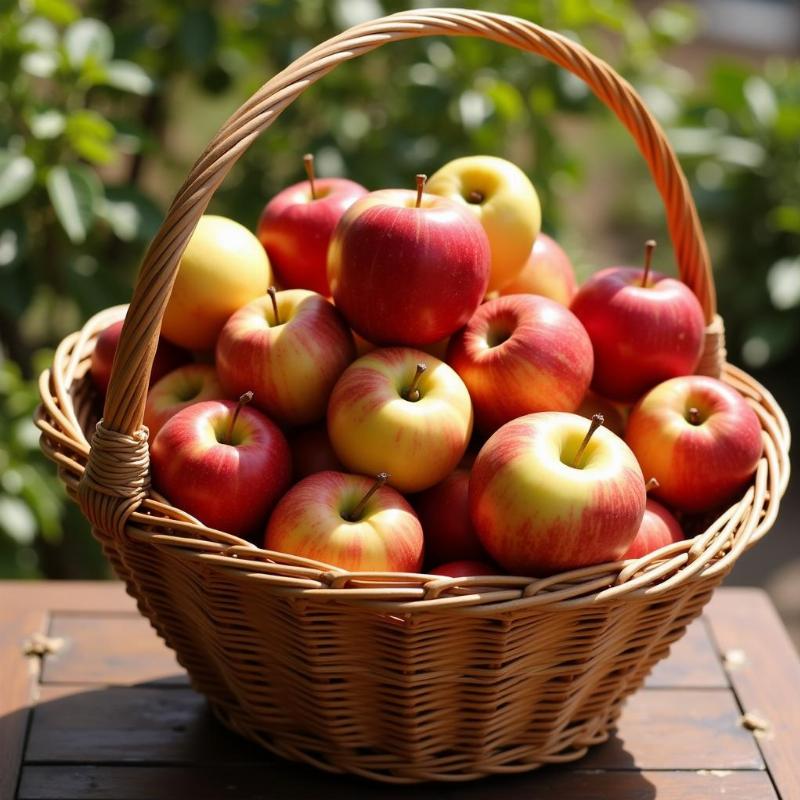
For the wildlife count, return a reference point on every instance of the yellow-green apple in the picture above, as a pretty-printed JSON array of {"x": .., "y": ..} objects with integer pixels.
[
  {"x": 223, "y": 267},
  {"x": 167, "y": 357},
  {"x": 658, "y": 529},
  {"x": 290, "y": 348},
  {"x": 404, "y": 410},
  {"x": 443, "y": 511},
  {"x": 312, "y": 452},
  {"x": 698, "y": 438},
  {"x": 407, "y": 268},
  {"x": 297, "y": 224},
  {"x": 191, "y": 383},
  {"x": 614, "y": 414},
  {"x": 519, "y": 354},
  {"x": 350, "y": 521},
  {"x": 224, "y": 463},
  {"x": 644, "y": 327},
  {"x": 500, "y": 195},
  {"x": 548, "y": 272},
  {"x": 546, "y": 495},
  {"x": 465, "y": 569}
]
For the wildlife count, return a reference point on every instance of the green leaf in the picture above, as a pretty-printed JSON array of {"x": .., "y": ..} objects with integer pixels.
[
  {"x": 73, "y": 191},
  {"x": 128, "y": 77},
  {"x": 17, "y": 520},
  {"x": 88, "y": 40},
  {"x": 47, "y": 124},
  {"x": 91, "y": 135},
  {"x": 198, "y": 36},
  {"x": 62, "y": 12},
  {"x": 17, "y": 176},
  {"x": 131, "y": 214},
  {"x": 39, "y": 33}
]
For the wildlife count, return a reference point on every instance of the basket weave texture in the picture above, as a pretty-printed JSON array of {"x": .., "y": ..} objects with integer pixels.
[{"x": 396, "y": 677}]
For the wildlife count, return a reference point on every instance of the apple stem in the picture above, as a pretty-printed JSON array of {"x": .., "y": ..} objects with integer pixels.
[
  {"x": 597, "y": 421},
  {"x": 649, "y": 246},
  {"x": 308, "y": 162},
  {"x": 474, "y": 197},
  {"x": 421, "y": 179},
  {"x": 412, "y": 393},
  {"x": 651, "y": 485},
  {"x": 273, "y": 295},
  {"x": 380, "y": 479},
  {"x": 243, "y": 401},
  {"x": 694, "y": 416}
]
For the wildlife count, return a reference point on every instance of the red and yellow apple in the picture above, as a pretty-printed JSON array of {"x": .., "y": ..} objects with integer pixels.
[
  {"x": 223, "y": 267},
  {"x": 407, "y": 268},
  {"x": 465, "y": 569},
  {"x": 223, "y": 463},
  {"x": 443, "y": 511},
  {"x": 548, "y": 272},
  {"x": 289, "y": 351},
  {"x": 644, "y": 327},
  {"x": 403, "y": 411},
  {"x": 312, "y": 452},
  {"x": 698, "y": 438},
  {"x": 296, "y": 228},
  {"x": 191, "y": 383},
  {"x": 658, "y": 529},
  {"x": 520, "y": 354},
  {"x": 547, "y": 495},
  {"x": 350, "y": 521},
  {"x": 500, "y": 195}
]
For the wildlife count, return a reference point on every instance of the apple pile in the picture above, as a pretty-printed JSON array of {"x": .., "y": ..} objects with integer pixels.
[{"x": 430, "y": 389}]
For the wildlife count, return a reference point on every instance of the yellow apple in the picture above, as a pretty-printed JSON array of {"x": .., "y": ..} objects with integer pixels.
[
  {"x": 503, "y": 199},
  {"x": 223, "y": 267}
]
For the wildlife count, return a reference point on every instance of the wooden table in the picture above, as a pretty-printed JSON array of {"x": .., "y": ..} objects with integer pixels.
[{"x": 92, "y": 705}]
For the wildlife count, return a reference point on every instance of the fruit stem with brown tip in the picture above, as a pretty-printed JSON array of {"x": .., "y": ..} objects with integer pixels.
[
  {"x": 273, "y": 295},
  {"x": 649, "y": 246},
  {"x": 243, "y": 401},
  {"x": 308, "y": 163},
  {"x": 412, "y": 393},
  {"x": 651, "y": 484},
  {"x": 380, "y": 479},
  {"x": 421, "y": 179},
  {"x": 597, "y": 421},
  {"x": 694, "y": 415},
  {"x": 475, "y": 197}
]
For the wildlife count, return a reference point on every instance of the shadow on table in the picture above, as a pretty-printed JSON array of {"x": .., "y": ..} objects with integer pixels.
[{"x": 159, "y": 741}]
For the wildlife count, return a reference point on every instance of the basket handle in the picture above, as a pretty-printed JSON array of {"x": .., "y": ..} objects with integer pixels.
[{"x": 127, "y": 391}]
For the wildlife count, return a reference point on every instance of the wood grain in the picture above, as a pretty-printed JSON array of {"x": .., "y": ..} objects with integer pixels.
[{"x": 692, "y": 664}]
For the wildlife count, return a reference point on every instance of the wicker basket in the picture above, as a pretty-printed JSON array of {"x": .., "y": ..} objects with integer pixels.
[{"x": 395, "y": 677}]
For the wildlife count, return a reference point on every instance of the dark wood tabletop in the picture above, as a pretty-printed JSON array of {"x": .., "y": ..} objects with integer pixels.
[{"x": 93, "y": 705}]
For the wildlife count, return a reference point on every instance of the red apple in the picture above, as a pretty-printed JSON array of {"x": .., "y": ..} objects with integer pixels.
[
  {"x": 350, "y": 521},
  {"x": 547, "y": 495},
  {"x": 644, "y": 327},
  {"x": 615, "y": 414},
  {"x": 290, "y": 348},
  {"x": 698, "y": 438},
  {"x": 465, "y": 569},
  {"x": 312, "y": 452},
  {"x": 407, "y": 268},
  {"x": 658, "y": 529},
  {"x": 168, "y": 357},
  {"x": 520, "y": 354},
  {"x": 223, "y": 463},
  {"x": 443, "y": 511},
  {"x": 548, "y": 272},
  {"x": 191, "y": 383},
  {"x": 296, "y": 228}
]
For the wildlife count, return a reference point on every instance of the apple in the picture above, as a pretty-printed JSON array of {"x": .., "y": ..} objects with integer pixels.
[
  {"x": 698, "y": 438},
  {"x": 290, "y": 348},
  {"x": 519, "y": 354},
  {"x": 407, "y": 268},
  {"x": 222, "y": 462},
  {"x": 443, "y": 511},
  {"x": 500, "y": 195},
  {"x": 312, "y": 452},
  {"x": 362, "y": 345},
  {"x": 223, "y": 267},
  {"x": 658, "y": 529},
  {"x": 350, "y": 521},
  {"x": 615, "y": 415},
  {"x": 546, "y": 495},
  {"x": 297, "y": 224},
  {"x": 167, "y": 357},
  {"x": 191, "y": 383},
  {"x": 548, "y": 272},
  {"x": 465, "y": 569},
  {"x": 644, "y": 327},
  {"x": 401, "y": 410}
]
